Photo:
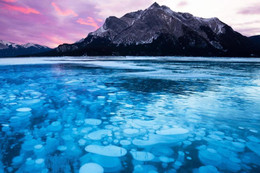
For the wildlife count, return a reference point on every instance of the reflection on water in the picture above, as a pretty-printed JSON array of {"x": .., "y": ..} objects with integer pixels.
[{"x": 130, "y": 115}]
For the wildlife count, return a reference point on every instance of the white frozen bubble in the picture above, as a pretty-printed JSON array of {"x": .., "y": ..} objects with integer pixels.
[
  {"x": 143, "y": 123},
  {"x": 208, "y": 169},
  {"x": 39, "y": 163},
  {"x": 154, "y": 139},
  {"x": 99, "y": 134},
  {"x": 110, "y": 164},
  {"x": 237, "y": 146},
  {"x": 91, "y": 168},
  {"x": 253, "y": 139},
  {"x": 161, "y": 150},
  {"x": 186, "y": 143},
  {"x": 39, "y": 150},
  {"x": 20, "y": 121},
  {"x": 29, "y": 145},
  {"x": 5, "y": 127},
  {"x": 253, "y": 131},
  {"x": 31, "y": 101},
  {"x": 166, "y": 159},
  {"x": 82, "y": 142},
  {"x": 188, "y": 158},
  {"x": 55, "y": 126},
  {"x": 131, "y": 132},
  {"x": 62, "y": 148},
  {"x": 229, "y": 138},
  {"x": 125, "y": 142},
  {"x": 145, "y": 168},
  {"x": 51, "y": 145},
  {"x": 110, "y": 150},
  {"x": 29, "y": 164},
  {"x": 230, "y": 166},
  {"x": 17, "y": 160},
  {"x": 255, "y": 147},
  {"x": 36, "y": 93},
  {"x": 23, "y": 109},
  {"x": 142, "y": 156},
  {"x": 235, "y": 159},
  {"x": 215, "y": 137},
  {"x": 116, "y": 119},
  {"x": 177, "y": 164},
  {"x": 210, "y": 157},
  {"x": 93, "y": 122},
  {"x": 172, "y": 131}
]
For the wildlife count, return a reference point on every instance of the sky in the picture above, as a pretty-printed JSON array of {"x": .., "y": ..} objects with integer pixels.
[{"x": 53, "y": 22}]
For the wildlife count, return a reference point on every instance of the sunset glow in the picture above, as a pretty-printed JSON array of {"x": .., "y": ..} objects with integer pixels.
[{"x": 52, "y": 22}]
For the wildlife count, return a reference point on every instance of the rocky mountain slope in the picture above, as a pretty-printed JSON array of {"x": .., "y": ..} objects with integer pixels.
[
  {"x": 256, "y": 43},
  {"x": 9, "y": 49},
  {"x": 159, "y": 31}
]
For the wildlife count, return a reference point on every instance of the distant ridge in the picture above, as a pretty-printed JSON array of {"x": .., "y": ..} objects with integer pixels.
[
  {"x": 9, "y": 49},
  {"x": 159, "y": 31}
]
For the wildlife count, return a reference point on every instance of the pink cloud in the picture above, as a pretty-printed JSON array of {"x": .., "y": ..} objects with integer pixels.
[
  {"x": 61, "y": 12},
  {"x": 99, "y": 20},
  {"x": 9, "y": 0},
  {"x": 182, "y": 4},
  {"x": 89, "y": 21},
  {"x": 25, "y": 10}
]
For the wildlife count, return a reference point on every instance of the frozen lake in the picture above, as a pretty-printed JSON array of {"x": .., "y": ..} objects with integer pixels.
[{"x": 129, "y": 114}]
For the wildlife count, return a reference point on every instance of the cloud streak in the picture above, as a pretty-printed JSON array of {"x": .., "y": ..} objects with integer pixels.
[
  {"x": 8, "y": 0},
  {"x": 25, "y": 10},
  {"x": 89, "y": 21},
  {"x": 61, "y": 12},
  {"x": 252, "y": 10}
]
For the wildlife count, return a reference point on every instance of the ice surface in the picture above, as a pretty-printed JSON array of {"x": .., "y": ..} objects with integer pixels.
[
  {"x": 110, "y": 150},
  {"x": 253, "y": 139},
  {"x": 91, "y": 168},
  {"x": 210, "y": 157},
  {"x": 145, "y": 114},
  {"x": 255, "y": 147}
]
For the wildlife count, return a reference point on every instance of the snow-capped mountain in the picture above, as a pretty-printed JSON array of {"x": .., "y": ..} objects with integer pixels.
[
  {"x": 157, "y": 31},
  {"x": 9, "y": 49}
]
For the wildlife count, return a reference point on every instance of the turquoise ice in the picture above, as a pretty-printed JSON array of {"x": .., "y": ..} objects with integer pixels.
[{"x": 129, "y": 114}]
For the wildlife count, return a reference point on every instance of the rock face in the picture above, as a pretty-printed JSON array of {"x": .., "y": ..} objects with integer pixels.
[
  {"x": 9, "y": 49},
  {"x": 256, "y": 43},
  {"x": 159, "y": 31}
]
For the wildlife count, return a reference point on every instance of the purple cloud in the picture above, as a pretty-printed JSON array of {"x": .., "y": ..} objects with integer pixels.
[{"x": 250, "y": 10}]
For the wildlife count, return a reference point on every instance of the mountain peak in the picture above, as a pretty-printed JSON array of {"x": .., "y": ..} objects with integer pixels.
[
  {"x": 155, "y": 5},
  {"x": 160, "y": 31}
]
